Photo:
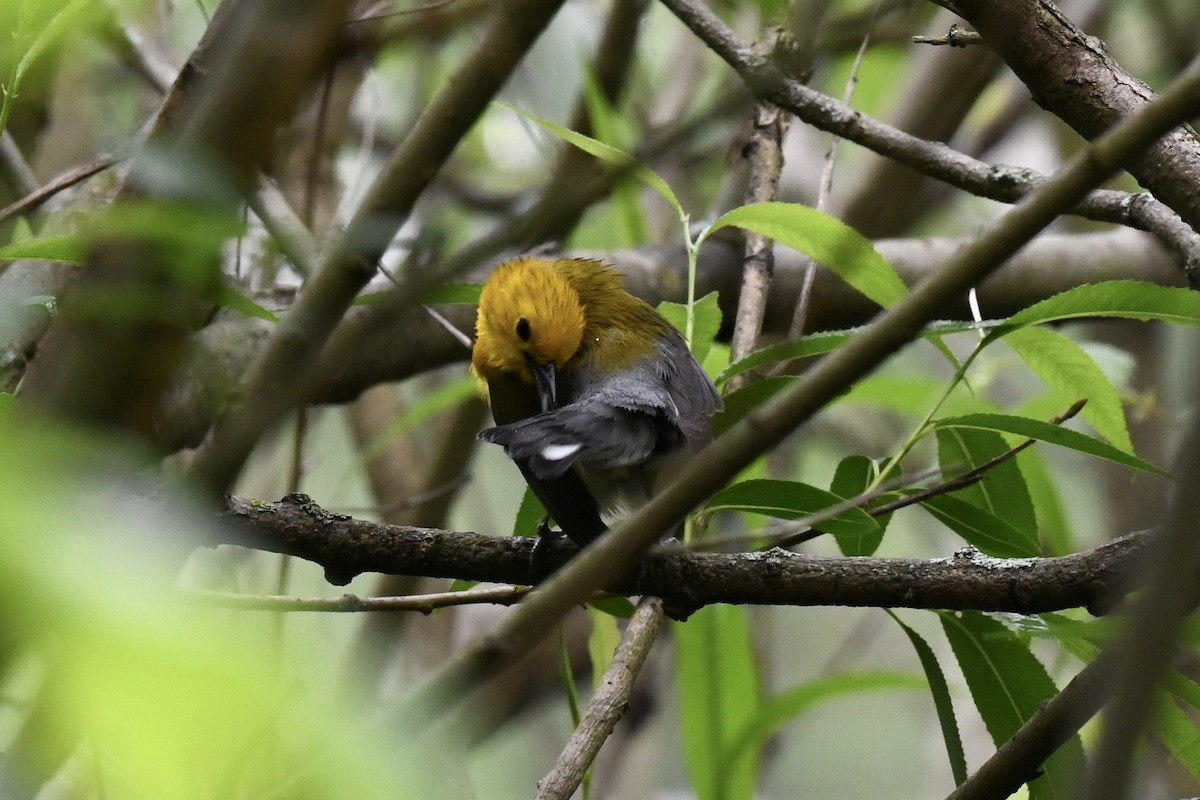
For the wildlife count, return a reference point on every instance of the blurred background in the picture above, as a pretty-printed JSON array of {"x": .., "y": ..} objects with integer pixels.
[{"x": 387, "y": 431}]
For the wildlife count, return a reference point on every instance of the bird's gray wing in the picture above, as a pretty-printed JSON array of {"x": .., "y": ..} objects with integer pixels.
[{"x": 594, "y": 433}]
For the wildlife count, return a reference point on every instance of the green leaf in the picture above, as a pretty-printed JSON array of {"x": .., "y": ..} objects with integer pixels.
[
  {"x": 619, "y": 607},
  {"x": 64, "y": 249},
  {"x": 793, "y": 500},
  {"x": 1066, "y": 368},
  {"x": 602, "y": 643},
  {"x": 567, "y": 677},
  {"x": 1046, "y": 432},
  {"x": 740, "y": 403},
  {"x": 608, "y": 127},
  {"x": 1053, "y": 526},
  {"x": 1126, "y": 299},
  {"x": 816, "y": 344},
  {"x": 942, "y": 703},
  {"x": 854, "y": 474},
  {"x": 1081, "y": 638},
  {"x": 452, "y": 293},
  {"x": 231, "y": 298},
  {"x": 812, "y": 345},
  {"x": 1008, "y": 684},
  {"x": 1175, "y": 728},
  {"x": 719, "y": 693},
  {"x": 982, "y": 529},
  {"x": 784, "y": 708},
  {"x": 904, "y": 394},
  {"x": 1177, "y": 732},
  {"x": 529, "y": 515},
  {"x": 706, "y": 321},
  {"x": 1002, "y": 490},
  {"x": 825, "y": 239},
  {"x": 444, "y": 397},
  {"x": 466, "y": 294},
  {"x": 606, "y": 153}
]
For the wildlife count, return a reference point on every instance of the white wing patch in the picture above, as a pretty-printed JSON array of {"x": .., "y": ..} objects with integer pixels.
[{"x": 557, "y": 452}]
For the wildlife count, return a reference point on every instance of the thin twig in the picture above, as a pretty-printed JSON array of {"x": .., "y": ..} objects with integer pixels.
[
  {"x": 608, "y": 703},
  {"x": 59, "y": 183},
  {"x": 350, "y": 603},
  {"x": 412, "y": 501},
  {"x": 800, "y": 316},
  {"x": 765, "y": 154},
  {"x": 957, "y": 36}
]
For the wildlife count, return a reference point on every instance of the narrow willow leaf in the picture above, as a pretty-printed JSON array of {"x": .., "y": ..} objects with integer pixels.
[
  {"x": 64, "y": 249},
  {"x": 602, "y": 643},
  {"x": 903, "y": 394},
  {"x": 529, "y": 515},
  {"x": 719, "y": 691},
  {"x": 706, "y": 321},
  {"x": 816, "y": 344},
  {"x": 619, "y": 607},
  {"x": 852, "y": 477},
  {"x": 439, "y": 400},
  {"x": 567, "y": 677},
  {"x": 740, "y": 403},
  {"x": 611, "y": 128},
  {"x": 1002, "y": 490},
  {"x": 1046, "y": 432},
  {"x": 1066, "y": 368},
  {"x": 792, "y": 500},
  {"x": 1175, "y": 728},
  {"x": 1008, "y": 684},
  {"x": 1177, "y": 732},
  {"x": 231, "y": 298},
  {"x": 452, "y": 293},
  {"x": 606, "y": 153},
  {"x": 1081, "y": 638},
  {"x": 825, "y": 239},
  {"x": 940, "y": 691},
  {"x": 982, "y": 529},
  {"x": 466, "y": 294},
  {"x": 784, "y": 708},
  {"x": 1054, "y": 527},
  {"x": 1126, "y": 299}
]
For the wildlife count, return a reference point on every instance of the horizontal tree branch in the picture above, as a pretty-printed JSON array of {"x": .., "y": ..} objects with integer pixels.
[
  {"x": 222, "y": 351},
  {"x": 346, "y": 547}
]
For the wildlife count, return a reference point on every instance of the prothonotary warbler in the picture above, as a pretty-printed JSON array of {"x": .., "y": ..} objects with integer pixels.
[{"x": 593, "y": 391}]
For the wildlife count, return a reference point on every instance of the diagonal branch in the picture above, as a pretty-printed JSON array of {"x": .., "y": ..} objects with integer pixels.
[
  {"x": 619, "y": 552},
  {"x": 1073, "y": 76},
  {"x": 607, "y": 705},
  {"x": 1004, "y": 184},
  {"x": 287, "y": 367}
]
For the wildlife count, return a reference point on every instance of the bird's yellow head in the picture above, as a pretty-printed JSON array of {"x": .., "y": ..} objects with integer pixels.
[{"x": 528, "y": 312}]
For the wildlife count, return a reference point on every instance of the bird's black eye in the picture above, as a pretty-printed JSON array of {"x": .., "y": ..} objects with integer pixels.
[{"x": 523, "y": 329}]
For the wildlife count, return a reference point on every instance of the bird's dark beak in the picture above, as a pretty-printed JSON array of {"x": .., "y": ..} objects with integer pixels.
[{"x": 545, "y": 379}]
